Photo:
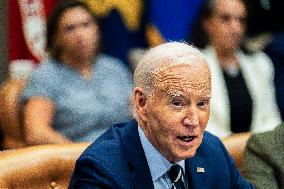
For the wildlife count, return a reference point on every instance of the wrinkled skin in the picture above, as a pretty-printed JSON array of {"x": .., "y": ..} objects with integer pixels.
[{"x": 178, "y": 106}]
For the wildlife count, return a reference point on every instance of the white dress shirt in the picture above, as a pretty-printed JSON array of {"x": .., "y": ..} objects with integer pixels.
[{"x": 157, "y": 163}]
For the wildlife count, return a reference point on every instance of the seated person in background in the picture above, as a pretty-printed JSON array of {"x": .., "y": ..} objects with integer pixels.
[
  {"x": 77, "y": 92},
  {"x": 243, "y": 94},
  {"x": 264, "y": 159},
  {"x": 166, "y": 146}
]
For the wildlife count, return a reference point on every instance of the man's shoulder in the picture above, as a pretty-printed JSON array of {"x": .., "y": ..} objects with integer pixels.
[
  {"x": 210, "y": 140},
  {"x": 267, "y": 140},
  {"x": 212, "y": 146},
  {"x": 106, "y": 155},
  {"x": 104, "y": 161},
  {"x": 109, "y": 144}
]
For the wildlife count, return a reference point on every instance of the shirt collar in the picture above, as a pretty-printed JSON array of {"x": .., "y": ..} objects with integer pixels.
[{"x": 157, "y": 163}]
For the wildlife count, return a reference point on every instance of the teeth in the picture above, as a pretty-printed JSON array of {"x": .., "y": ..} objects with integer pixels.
[{"x": 187, "y": 138}]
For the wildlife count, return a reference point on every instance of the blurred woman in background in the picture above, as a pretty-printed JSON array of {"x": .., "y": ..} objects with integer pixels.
[
  {"x": 77, "y": 93},
  {"x": 243, "y": 96}
]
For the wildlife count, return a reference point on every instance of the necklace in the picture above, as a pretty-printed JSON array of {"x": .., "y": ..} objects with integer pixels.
[{"x": 232, "y": 70}]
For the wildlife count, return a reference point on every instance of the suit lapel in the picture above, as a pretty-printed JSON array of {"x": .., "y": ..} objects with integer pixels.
[
  {"x": 195, "y": 168},
  {"x": 135, "y": 156}
]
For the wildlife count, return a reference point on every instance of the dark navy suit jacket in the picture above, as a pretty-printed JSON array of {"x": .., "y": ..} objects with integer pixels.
[{"x": 117, "y": 160}]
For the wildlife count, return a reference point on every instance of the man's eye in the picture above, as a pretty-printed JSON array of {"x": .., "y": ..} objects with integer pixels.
[
  {"x": 176, "y": 103},
  {"x": 202, "y": 104}
]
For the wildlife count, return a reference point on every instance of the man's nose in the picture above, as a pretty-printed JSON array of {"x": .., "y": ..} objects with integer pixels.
[{"x": 191, "y": 118}]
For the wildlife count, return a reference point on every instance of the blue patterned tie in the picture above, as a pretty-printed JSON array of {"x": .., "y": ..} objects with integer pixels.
[{"x": 177, "y": 177}]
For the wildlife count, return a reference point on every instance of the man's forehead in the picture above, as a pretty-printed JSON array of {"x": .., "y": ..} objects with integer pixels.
[
  {"x": 182, "y": 71},
  {"x": 184, "y": 77}
]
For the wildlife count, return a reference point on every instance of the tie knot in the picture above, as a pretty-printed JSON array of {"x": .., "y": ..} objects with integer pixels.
[{"x": 175, "y": 173}]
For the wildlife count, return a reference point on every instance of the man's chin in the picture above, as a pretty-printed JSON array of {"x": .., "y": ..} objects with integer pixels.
[
  {"x": 189, "y": 154},
  {"x": 183, "y": 155}
]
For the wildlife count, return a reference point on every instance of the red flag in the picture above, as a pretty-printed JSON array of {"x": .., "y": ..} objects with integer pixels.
[{"x": 26, "y": 28}]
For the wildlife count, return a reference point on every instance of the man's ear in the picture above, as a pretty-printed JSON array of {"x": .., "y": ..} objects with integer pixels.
[{"x": 140, "y": 105}]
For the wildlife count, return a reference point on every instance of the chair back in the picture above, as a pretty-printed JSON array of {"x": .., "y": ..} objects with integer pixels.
[
  {"x": 10, "y": 125},
  {"x": 235, "y": 144},
  {"x": 42, "y": 166}
]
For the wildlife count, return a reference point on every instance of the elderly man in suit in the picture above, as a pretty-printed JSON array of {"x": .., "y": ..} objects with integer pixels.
[{"x": 165, "y": 146}]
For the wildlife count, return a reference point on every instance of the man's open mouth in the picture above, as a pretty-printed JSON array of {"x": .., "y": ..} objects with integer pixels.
[{"x": 186, "y": 138}]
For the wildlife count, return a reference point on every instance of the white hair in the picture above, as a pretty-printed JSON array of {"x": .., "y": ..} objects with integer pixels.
[{"x": 162, "y": 57}]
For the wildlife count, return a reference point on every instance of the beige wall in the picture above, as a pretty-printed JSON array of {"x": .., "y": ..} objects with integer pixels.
[{"x": 3, "y": 40}]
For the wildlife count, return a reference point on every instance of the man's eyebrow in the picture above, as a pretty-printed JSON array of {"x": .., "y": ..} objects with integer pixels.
[
  {"x": 180, "y": 95},
  {"x": 175, "y": 93}
]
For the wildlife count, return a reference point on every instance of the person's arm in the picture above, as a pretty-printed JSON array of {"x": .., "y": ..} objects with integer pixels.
[
  {"x": 37, "y": 120},
  {"x": 258, "y": 170}
]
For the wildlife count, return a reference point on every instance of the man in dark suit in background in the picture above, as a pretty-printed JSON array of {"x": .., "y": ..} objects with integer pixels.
[{"x": 166, "y": 146}]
